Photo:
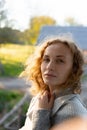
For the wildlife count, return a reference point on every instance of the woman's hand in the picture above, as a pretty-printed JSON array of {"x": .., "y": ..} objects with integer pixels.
[
  {"x": 45, "y": 101},
  {"x": 77, "y": 123}
]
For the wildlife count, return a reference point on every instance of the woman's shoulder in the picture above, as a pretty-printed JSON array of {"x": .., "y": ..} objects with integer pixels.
[
  {"x": 68, "y": 99},
  {"x": 76, "y": 101},
  {"x": 77, "y": 104},
  {"x": 67, "y": 107},
  {"x": 69, "y": 104}
]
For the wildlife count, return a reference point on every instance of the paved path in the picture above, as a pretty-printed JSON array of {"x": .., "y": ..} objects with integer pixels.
[{"x": 13, "y": 83}]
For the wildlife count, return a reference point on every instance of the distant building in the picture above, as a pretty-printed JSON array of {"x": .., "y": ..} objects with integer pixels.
[{"x": 79, "y": 34}]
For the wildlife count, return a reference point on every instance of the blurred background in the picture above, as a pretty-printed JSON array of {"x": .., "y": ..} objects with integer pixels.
[{"x": 21, "y": 22}]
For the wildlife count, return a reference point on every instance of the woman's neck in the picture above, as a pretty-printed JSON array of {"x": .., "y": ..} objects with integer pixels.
[{"x": 61, "y": 92}]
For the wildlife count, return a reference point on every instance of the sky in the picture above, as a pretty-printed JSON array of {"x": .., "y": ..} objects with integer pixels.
[{"x": 21, "y": 11}]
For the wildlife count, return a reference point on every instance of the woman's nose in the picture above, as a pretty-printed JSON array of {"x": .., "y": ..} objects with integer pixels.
[{"x": 50, "y": 65}]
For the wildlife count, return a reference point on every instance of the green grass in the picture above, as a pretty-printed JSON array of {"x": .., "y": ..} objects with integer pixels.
[
  {"x": 13, "y": 58},
  {"x": 8, "y": 99}
]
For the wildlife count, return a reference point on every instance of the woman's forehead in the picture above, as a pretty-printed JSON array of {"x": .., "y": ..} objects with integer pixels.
[{"x": 58, "y": 47}]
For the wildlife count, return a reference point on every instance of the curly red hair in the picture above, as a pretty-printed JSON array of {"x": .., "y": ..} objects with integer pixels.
[{"x": 33, "y": 69}]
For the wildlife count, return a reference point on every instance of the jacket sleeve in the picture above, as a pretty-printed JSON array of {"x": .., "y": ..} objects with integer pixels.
[
  {"x": 41, "y": 120},
  {"x": 36, "y": 119}
]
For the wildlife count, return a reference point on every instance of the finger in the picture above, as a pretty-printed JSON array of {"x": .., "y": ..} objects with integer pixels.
[{"x": 45, "y": 93}]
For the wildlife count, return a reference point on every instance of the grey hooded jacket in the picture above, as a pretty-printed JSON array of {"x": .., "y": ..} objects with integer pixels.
[{"x": 65, "y": 107}]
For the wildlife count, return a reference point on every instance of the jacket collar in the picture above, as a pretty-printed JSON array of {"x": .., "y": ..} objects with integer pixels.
[{"x": 60, "y": 101}]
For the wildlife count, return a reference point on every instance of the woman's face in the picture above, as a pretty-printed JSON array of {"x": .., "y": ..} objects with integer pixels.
[{"x": 56, "y": 65}]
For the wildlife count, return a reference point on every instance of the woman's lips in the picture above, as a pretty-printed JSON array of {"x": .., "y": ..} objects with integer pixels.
[{"x": 50, "y": 75}]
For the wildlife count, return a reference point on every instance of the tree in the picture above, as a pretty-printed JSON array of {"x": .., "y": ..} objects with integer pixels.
[
  {"x": 10, "y": 35},
  {"x": 3, "y": 16},
  {"x": 36, "y": 23},
  {"x": 72, "y": 22}
]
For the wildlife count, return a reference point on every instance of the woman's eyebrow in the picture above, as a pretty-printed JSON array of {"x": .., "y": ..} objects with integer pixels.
[
  {"x": 60, "y": 56},
  {"x": 45, "y": 55}
]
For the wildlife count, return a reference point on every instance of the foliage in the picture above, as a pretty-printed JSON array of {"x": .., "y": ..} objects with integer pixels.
[
  {"x": 36, "y": 23},
  {"x": 72, "y": 22},
  {"x": 3, "y": 14},
  {"x": 29, "y": 36},
  {"x": 13, "y": 58},
  {"x": 8, "y": 34}
]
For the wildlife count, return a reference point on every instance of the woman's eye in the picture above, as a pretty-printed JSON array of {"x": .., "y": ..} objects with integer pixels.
[
  {"x": 46, "y": 59},
  {"x": 59, "y": 61}
]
